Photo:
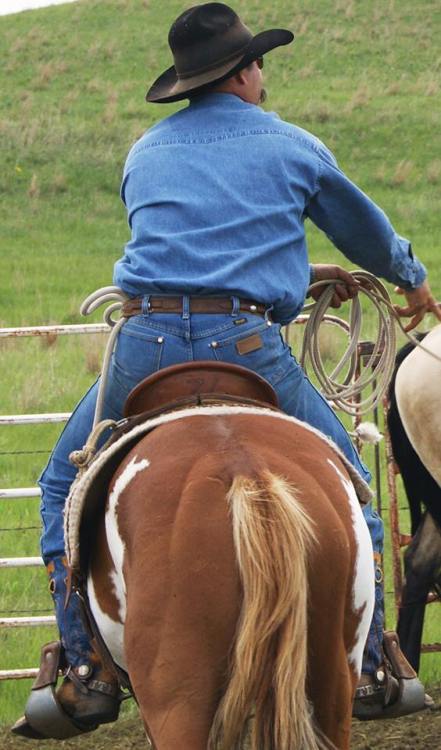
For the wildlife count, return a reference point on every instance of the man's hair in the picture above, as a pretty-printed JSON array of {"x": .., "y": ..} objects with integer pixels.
[{"x": 212, "y": 87}]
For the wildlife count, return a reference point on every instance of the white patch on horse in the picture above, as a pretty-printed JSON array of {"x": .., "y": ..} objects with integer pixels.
[
  {"x": 363, "y": 591},
  {"x": 116, "y": 544},
  {"x": 111, "y": 631},
  {"x": 418, "y": 394}
]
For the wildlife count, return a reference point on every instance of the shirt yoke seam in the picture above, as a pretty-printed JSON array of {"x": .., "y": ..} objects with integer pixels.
[{"x": 191, "y": 141}]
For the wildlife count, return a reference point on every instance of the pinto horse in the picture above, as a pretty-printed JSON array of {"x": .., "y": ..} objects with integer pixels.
[
  {"x": 232, "y": 579},
  {"x": 414, "y": 423}
]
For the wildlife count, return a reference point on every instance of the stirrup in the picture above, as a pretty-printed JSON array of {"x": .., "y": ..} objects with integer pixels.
[
  {"x": 399, "y": 692},
  {"x": 411, "y": 697},
  {"x": 44, "y": 716}
]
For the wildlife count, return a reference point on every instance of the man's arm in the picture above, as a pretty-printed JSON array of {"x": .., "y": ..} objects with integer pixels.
[
  {"x": 360, "y": 229},
  {"x": 364, "y": 234}
]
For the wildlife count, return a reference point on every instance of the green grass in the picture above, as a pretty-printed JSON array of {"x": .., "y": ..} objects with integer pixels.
[{"x": 363, "y": 76}]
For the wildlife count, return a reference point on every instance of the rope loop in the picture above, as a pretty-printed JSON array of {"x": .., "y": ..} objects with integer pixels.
[
  {"x": 346, "y": 383},
  {"x": 101, "y": 297},
  {"x": 82, "y": 458},
  {"x": 377, "y": 371}
]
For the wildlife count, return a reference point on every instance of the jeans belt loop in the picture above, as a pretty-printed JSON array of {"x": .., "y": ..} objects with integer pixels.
[
  {"x": 145, "y": 305},
  {"x": 268, "y": 316},
  {"x": 236, "y": 306},
  {"x": 185, "y": 307}
]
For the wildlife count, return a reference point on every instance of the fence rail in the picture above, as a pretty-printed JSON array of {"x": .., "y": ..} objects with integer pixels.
[
  {"x": 16, "y": 493},
  {"x": 34, "y": 418},
  {"x": 18, "y": 674},
  {"x": 25, "y": 622},
  {"x": 64, "y": 330},
  {"x": 21, "y": 562}
]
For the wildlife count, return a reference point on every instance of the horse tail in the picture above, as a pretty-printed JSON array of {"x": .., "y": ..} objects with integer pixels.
[{"x": 272, "y": 535}]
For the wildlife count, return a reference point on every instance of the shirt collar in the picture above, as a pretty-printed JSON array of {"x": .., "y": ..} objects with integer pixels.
[{"x": 216, "y": 99}]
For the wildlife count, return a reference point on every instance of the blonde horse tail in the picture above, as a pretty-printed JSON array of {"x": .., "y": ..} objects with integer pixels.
[{"x": 272, "y": 535}]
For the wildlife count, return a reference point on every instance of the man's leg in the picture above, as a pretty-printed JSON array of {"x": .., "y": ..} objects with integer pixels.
[
  {"x": 89, "y": 694},
  {"x": 55, "y": 483}
]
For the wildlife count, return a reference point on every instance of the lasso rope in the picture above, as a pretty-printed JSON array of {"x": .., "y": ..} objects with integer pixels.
[
  {"x": 100, "y": 297},
  {"x": 377, "y": 371}
]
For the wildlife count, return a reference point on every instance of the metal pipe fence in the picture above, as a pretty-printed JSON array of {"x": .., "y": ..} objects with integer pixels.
[{"x": 19, "y": 493}]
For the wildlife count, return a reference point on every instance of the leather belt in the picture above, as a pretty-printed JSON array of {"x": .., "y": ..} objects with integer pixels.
[{"x": 202, "y": 305}]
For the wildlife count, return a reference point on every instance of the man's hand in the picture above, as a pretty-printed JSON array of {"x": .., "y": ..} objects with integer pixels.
[
  {"x": 348, "y": 289},
  {"x": 419, "y": 302}
]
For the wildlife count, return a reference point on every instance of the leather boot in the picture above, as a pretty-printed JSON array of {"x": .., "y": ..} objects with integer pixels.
[
  {"x": 82, "y": 702},
  {"x": 393, "y": 690},
  {"x": 90, "y": 695}
]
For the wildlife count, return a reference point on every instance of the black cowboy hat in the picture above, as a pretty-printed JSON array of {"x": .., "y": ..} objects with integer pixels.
[{"x": 210, "y": 43}]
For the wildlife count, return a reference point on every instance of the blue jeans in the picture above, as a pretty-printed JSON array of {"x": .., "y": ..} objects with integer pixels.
[{"x": 152, "y": 341}]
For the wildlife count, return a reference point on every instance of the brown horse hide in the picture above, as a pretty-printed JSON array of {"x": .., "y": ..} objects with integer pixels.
[{"x": 233, "y": 577}]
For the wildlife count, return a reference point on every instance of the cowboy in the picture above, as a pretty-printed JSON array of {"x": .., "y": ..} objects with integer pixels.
[{"x": 217, "y": 195}]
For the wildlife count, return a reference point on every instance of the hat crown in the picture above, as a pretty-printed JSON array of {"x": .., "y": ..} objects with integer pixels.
[
  {"x": 209, "y": 19},
  {"x": 204, "y": 35}
]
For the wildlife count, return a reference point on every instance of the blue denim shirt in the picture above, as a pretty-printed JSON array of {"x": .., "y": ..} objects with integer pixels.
[{"x": 217, "y": 196}]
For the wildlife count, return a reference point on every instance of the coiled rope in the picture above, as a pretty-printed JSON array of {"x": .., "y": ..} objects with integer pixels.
[{"x": 346, "y": 394}]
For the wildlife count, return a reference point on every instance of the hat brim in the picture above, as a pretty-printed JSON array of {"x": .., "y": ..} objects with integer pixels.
[{"x": 169, "y": 88}]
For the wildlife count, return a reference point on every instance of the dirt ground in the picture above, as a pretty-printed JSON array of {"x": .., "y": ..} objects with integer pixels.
[{"x": 419, "y": 732}]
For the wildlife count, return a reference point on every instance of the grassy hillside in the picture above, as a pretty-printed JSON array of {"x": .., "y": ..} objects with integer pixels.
[{"x": 362, "y": 75}]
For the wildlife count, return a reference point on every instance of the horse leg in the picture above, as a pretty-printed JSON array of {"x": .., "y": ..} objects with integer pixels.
[
  {"x": 421, "y": 560},
  {"x": 178, "y": 634},
  {"x": 410, "y": 626}
]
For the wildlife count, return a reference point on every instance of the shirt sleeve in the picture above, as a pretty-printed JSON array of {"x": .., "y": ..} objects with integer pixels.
[{"x": 359, "y": 228}]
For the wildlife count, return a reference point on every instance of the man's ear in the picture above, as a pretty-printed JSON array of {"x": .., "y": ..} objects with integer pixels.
[{"x": 241, "y": 77}]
